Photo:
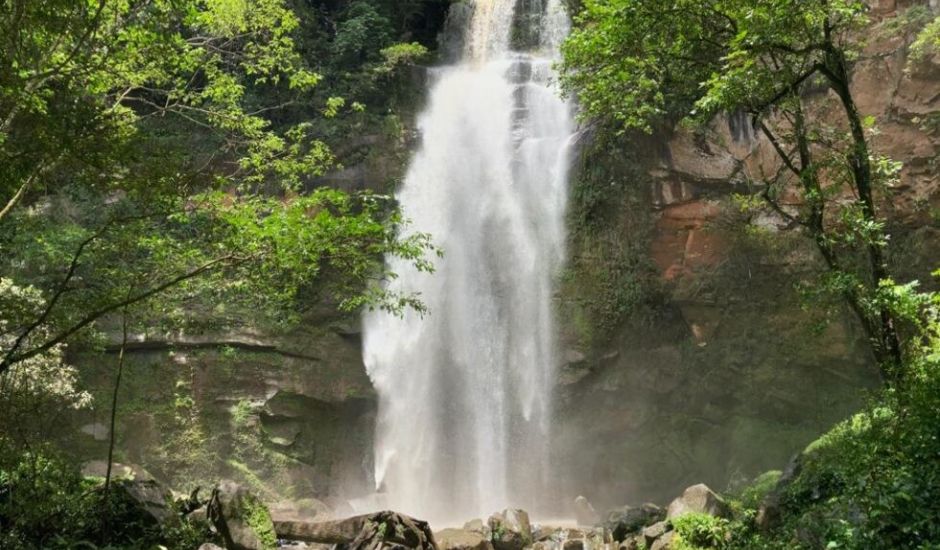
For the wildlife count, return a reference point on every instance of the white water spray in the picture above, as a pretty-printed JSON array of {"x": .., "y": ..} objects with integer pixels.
[{"x": 465, "y": 393}]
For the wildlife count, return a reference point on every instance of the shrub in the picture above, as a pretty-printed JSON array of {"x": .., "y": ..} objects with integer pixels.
[
  {"x": 694, "y": 531},
  {"x": 41, "y": 497},
  {"x": 754, "y": 494},
  {"x": 46, "y": 503}
]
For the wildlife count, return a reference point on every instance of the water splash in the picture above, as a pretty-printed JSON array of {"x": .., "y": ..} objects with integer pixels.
[{"x": 465, "y": 393}]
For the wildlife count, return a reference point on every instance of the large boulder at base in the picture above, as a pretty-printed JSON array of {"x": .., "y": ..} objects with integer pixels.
[
  {"x": 392, "y": 531},
  {"x": 241, "y": 518},
  {"x": 210, "y": 546},
  {"x": 627, "y": 520},
  {"x": 462, "y": 539},
  {"x": 148, "y": 498},
  {"x": 341, "y": 531},
  {"x": 584, "y": 512},
  {"x": 379, "y": 531},
  {"x": 510, "y": 530},
  {"x": 698, "y": 499}
]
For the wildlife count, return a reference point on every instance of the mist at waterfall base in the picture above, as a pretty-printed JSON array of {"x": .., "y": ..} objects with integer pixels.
[{"x": 464, "y": 414}]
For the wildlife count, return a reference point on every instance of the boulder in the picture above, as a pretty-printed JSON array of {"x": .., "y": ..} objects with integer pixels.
[
  {"x": 584, "y": 512},
  {"x": 698, "y": 499},
  {"x": 325, "y": 532},
  {"x": 664, "y": 542},
  {"x": 210, "y": 546},
  {"x": 622, "y": 522},
  {"x": 510, "y": 530},
  {"x": 392, "y": 531},
  {"x": 148, "y": 498},
  {"x": 241, "y": 518},
  {"x": 462, "y": 539},
  {"x": 654, "y": 532},
  {"x": 379, "y": 531},
  {"x": 198, "y": 515},
  {"x": 475, "y": 525}
]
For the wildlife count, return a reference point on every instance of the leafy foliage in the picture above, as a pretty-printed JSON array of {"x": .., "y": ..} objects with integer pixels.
[
  {"x": 159, "y": 160},
  {"x": 754, "y": 494},
  {"x": 211, "y": 248},
  {"x": 872, "y": 481},
  {"x": 608, "y": 277},
  {"x": 45, "y": 503},
  {"x": 36, "y": 392},
  {"x": 641, "y": 64},
  {"x": 701, "y": 531},
  {"x": 927, "y": 43},
  {"x": 173, "y": 176},
  {"x": 259, "y": 521}
]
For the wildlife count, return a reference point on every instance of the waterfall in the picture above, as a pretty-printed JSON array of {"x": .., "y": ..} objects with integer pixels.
[{"x": 465, "y": 392}]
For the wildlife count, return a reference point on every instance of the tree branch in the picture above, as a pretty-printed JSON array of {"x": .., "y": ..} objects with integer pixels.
[{"x": 12, "y": 358}]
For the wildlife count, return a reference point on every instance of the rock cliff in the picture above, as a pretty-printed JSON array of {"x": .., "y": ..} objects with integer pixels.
[
  {"x": 689, "y": 355},
  {"x": 713, "y": 368}
]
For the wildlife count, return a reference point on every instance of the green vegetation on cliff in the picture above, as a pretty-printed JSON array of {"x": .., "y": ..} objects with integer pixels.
[
  {"x": 640, "y": 63},
  {"x": 649, "y": 65}
]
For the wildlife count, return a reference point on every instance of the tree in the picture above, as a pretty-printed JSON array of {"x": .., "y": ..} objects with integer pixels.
[
  {"x": 36, "y": 393},
  {"x": 142, "y": 156},
  {"x": 645, "y": 64},
  {"x": 256, "y": 251}
]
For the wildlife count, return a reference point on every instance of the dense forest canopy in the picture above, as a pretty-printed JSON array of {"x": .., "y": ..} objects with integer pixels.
[
  {"x": 159, "y": 159},
  {"x": 150, "y": 144}
]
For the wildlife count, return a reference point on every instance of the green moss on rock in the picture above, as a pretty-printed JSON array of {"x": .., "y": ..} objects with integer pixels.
[{"x": 258, "y": 518}]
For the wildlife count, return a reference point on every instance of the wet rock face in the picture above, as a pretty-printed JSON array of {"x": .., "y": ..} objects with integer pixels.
[
  {"x": 526, "y": 30},
  {"x": 293, "y": 410},
  {"x": 510, "y": 530},
  {"x": 585, "y": 514}
]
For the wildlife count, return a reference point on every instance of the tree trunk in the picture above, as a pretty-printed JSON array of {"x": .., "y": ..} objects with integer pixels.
[
  {"x": 887, "y": 344},
  {"x": 111, "y": 434}
]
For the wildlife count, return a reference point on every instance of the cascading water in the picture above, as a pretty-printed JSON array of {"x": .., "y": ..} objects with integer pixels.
[{"x": 464, "y": 393}]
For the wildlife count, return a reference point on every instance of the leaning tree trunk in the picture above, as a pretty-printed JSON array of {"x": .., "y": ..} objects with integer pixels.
[{"x": 887, "y": 341}]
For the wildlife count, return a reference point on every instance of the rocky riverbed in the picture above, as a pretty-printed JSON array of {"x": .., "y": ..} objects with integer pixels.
[{"x": 235, "y": 518}]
